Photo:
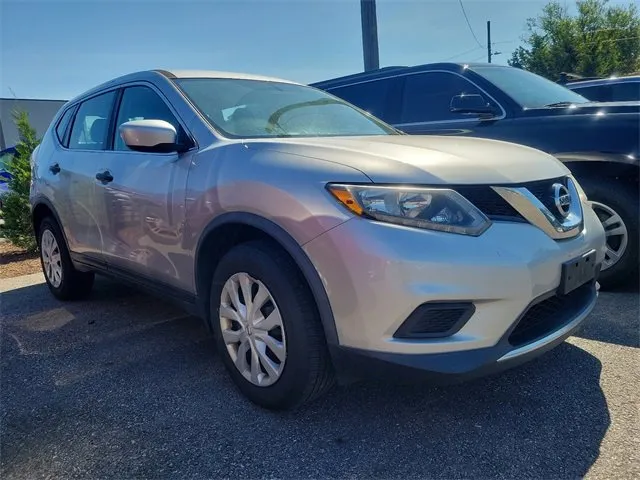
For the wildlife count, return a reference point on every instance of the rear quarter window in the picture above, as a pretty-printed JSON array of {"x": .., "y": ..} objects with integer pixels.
[{"x": 63, "y": 126}]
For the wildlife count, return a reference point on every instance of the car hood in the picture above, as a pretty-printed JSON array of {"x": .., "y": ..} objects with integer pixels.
[{"x": 427, "y": 159}]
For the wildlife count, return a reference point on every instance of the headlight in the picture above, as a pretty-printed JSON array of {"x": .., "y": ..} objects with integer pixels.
[{"x": 439, "y": 209}]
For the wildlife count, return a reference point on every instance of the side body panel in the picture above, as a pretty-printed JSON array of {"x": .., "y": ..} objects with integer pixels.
[
  {"x": 286, "y": 189},
  {"x": 72, "y": 193}
]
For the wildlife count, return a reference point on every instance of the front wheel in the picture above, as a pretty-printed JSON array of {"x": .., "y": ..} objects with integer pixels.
[
  {"x": 616, "y": 205},
  {"x": 267, "y": 327}
]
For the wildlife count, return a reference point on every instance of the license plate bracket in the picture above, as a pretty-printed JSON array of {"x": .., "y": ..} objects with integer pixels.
[{"x": 578, "y": 271}]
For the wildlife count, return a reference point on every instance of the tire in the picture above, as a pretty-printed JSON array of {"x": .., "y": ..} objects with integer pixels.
[
  {"x": 306, "y": 372},
  {"x": 70, "y": 284},
  {"x": 608, "y": 197}
]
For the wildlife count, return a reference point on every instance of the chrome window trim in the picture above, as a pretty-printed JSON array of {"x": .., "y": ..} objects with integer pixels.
[
  {"x": 499, "y": 117},
  {"x": 534, "y": 211},
  {"x": 122, "y": 86},
  {"x": 172, "y": 109}
]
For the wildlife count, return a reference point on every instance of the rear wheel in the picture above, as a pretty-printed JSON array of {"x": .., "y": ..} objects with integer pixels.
[
  {"x": 267, "y": 327},
  {"x": 616, "y": 205},
  {"x": 63, "y": 280}
]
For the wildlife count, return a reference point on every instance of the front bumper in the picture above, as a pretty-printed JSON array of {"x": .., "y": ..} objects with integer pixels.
[
  {"x": 457, "y": 366},
  {"x": 377, "y": 274}
]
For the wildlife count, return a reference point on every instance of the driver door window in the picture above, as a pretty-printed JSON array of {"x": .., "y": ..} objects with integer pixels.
[
  {"x": 427, "y": 97},
  {"x": 141, "y": 103}
]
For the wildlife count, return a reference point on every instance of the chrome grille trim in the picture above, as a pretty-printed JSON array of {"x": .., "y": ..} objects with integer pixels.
[{"x": 536, "y": 213}]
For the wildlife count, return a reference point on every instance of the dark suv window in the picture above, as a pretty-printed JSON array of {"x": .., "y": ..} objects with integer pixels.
[
  {"x": 91, "y": 124},
  {"x": 369, "y": 96},
  {"x": 141, "y": 103},
  {"x": 625, "y": 92},
  {"x": 613, "y": 92},
  {"x": 596, "y": 93},
  {"x": 427, "y": 96}
]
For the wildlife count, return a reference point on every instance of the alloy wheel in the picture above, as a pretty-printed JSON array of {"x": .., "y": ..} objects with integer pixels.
[
  {"x": 615, "y": 231},
  {"x": 51, "y": 258},
  {"x": 252, "y": 329}
]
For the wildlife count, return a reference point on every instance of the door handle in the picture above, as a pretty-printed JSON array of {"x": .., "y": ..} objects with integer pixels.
[
  {"x": 55, "y": 169},
  {"x": 104, "y": 177}
]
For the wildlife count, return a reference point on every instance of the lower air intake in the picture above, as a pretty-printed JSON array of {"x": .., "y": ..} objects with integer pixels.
[
  {"x": 547, "y": 316},
  {"x": 435, "y": 320}
]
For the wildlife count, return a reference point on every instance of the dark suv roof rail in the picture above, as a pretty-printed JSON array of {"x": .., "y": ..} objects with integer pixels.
[{"x": 359, "y": 75}]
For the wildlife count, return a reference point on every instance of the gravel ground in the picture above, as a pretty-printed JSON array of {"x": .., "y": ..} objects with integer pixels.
[
  {"x": 125, "y": 386},
  {"x": 16, "y": 262}
]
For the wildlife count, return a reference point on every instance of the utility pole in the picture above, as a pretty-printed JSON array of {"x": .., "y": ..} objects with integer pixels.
[
  {"x": 489, "y": 41},
  {"x": 490, "y": 53},
  {"x": 369, "y": 34}
]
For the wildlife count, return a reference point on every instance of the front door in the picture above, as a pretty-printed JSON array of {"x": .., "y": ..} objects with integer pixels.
[
  {"x": 145, "y": 197},
  {"x": 425, "y": 108}
]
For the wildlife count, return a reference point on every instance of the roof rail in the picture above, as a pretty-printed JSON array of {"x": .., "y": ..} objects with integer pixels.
[{"x": 364, "y": 74}]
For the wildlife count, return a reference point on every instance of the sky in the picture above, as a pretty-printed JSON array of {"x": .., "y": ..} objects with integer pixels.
[{"x": 57, "y": 49}]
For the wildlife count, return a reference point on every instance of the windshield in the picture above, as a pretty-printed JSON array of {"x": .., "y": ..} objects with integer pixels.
[
  {"x": 528, "y": 89},
  {"x": 243, "y": 108}
]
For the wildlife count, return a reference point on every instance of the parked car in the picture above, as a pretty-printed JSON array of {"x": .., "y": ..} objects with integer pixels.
[
  {"x": 316, "y": 241},
  {"x": 5, "y": 176},
  {"x": 612, "y": 89},
  {"x": 599, "y": 142}
]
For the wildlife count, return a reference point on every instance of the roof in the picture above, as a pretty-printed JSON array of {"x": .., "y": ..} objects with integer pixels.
[
  {"x": 172, "y": 74},
  {"x": 389, "y": 71},
  {"x": 220, "y": 74}
]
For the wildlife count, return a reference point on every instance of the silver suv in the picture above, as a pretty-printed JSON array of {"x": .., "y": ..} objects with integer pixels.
[{"x": 316, "y": 242}]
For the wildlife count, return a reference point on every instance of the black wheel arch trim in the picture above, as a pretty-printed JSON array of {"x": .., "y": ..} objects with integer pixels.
[
  {"x": 42, "y": 200},
  {"x": 287, "y": 242}
]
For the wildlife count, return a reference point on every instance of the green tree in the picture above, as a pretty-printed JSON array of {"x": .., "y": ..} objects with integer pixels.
[
  {"x": 15, "y": 204},
  {"x": 600, "y": 40}
]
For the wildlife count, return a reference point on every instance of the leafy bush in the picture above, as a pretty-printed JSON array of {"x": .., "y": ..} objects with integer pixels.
[{"x": 17, "y": 227}]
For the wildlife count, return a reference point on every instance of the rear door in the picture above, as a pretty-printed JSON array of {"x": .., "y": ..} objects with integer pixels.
[
  {"x": 82, "y": 155},
  {"x": 378, "y": 97},
  {"x": 145, "y": 197}
]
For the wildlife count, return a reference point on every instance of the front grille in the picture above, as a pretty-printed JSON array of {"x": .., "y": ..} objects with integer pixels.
[
  {"x": 550, "y": 314},
  {"x": 543, "y": 191},
  {"x": 433, "y": 320},
  {"x": 490, "y": 203},
  {"x": 495, "y": 207}
]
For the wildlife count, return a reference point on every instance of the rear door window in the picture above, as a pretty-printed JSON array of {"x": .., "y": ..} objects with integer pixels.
[
  {"x": 373, "y": 97},
  {"x": 91, "y": 125}
]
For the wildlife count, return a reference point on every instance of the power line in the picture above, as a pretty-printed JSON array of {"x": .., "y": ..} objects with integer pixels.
[
  {"x": 478, "y": 58},
  {"x": 462, "y": 53},
  {"x": 469, "y": 24}
]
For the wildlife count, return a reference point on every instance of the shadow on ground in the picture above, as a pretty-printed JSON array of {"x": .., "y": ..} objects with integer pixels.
[{"x": 124, "y": 385}]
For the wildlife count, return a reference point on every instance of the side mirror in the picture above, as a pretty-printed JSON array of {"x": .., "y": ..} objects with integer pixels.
[
  {"x": 472, "y": 103},
  {"x": 155, "y": 136}
]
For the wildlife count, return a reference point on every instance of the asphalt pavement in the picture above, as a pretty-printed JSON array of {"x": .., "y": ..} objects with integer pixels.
[{"x": 126, "y": 386}]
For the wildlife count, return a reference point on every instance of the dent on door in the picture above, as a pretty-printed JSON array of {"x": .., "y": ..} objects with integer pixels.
[{"x": 146, "y": 216}]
